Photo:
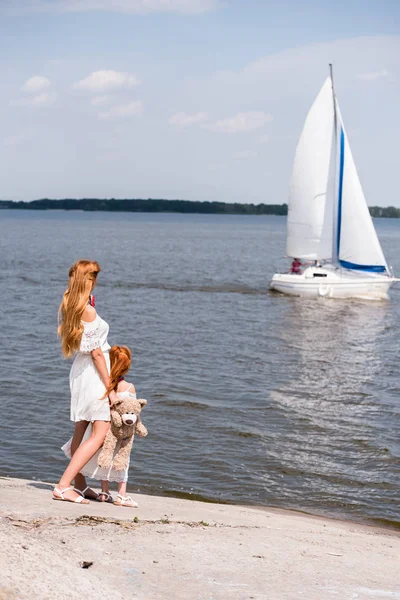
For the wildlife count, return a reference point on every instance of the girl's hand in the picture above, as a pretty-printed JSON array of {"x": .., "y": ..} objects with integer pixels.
[{"x": 112, "y": 396}]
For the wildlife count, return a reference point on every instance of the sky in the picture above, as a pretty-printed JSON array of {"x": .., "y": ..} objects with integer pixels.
[{"x": 190, "y": 99}]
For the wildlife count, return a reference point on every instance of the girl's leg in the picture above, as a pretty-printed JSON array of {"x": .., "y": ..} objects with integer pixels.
[
  {"x": 122, "y": 488},
  {"x": 104, "y": 486},
  {"x": 82, "y": 455},
  {"x": 122, "y": 498},
  {"x": 105, "y": 495}
]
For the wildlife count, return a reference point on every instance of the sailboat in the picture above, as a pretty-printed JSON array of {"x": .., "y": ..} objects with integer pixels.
[{"x": 329, "y": 225}]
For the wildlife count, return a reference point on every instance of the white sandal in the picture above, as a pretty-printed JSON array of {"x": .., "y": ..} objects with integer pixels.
[
  {"x": 78, "y": 500},
  {"x": 82, "y": 493},
  {"x": 108, "y": 496},
  {"x": 126, "y": 501}
]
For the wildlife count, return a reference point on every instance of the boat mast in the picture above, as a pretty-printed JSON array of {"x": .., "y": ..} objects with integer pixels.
[
  {"x": 335, "y": 257},
  {"x": 334, "y": 98}
]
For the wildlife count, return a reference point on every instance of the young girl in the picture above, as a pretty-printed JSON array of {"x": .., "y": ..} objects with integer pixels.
[{"x": 120, "y": 362}]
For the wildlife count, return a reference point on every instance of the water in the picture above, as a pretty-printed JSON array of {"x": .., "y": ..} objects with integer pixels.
[{"x": 253, "y": 397}]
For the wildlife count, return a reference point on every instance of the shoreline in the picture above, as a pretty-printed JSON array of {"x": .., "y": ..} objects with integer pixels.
[
  {"x": 375, "y": 522},
  {"x": 178, "y": 549}
]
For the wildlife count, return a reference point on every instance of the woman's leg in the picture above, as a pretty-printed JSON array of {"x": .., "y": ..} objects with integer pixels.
[
  {"x": 82, "y": 455},
  {"x": 80, "y": 480},
  {"x": 80, "y": 429}
]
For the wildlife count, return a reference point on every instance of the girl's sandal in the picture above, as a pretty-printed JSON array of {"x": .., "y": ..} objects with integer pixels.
[
  {"x": 126, "y": 501},
  {"x": 77, "y": 500},
  {"x": 109, "y": 498},
  {"x": 92, "y": 496}
]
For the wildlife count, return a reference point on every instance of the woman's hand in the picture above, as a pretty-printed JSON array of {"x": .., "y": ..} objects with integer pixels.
[{"x": 112, "y": 396}]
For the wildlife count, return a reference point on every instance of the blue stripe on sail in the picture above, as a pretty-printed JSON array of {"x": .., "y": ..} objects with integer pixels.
[
  {"x": 344, "y": 263},
  {"x": 355, "y": 266},
  {"x": 340, "y": 191}
]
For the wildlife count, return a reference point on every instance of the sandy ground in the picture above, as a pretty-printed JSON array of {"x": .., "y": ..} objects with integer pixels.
[{"x": 183, "y": 550}]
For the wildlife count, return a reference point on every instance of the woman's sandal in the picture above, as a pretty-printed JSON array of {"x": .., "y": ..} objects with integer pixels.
[
  {"x": 108, "y": 497},
  {"x": 83, "y": 493},
  {"x": 78, "y": 500},
  {"x": 126, "y": 501}
]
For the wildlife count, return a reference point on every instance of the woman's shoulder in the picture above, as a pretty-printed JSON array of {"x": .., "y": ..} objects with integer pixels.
[{"x": 89, "y": 314}]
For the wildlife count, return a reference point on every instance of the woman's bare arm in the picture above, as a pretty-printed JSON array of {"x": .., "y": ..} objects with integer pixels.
[
  {"x": 100, "y": 364},
  {"x": 89, "y": 315}
]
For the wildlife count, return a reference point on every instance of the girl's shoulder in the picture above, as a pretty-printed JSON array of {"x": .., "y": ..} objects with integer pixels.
[{"x": 125, "y": 386}]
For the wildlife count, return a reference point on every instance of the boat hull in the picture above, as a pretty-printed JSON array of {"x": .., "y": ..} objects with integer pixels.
[{"x": 318, "y": 282}]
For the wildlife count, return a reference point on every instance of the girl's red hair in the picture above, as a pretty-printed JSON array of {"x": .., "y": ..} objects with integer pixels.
[{"x": 120, "y": 363}]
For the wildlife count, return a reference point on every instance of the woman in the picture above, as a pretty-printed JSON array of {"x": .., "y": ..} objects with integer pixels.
[{"x": 83, "y": 332}]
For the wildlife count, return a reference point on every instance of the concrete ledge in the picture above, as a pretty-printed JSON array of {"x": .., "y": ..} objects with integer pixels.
[{"x": 183, "y": 550}]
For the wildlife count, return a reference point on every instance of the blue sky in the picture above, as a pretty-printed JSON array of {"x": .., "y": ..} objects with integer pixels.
[{"x": 191, "y": 99}]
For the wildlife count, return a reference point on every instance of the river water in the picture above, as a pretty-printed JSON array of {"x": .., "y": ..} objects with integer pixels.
[{"x": 253, "y": 397}]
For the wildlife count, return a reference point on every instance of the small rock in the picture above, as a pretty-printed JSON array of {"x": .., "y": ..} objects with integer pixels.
[
  {"x": 155, "y": 561},
  {"x": 25, "y": 547},
  {"x": 86, "y": 564}
]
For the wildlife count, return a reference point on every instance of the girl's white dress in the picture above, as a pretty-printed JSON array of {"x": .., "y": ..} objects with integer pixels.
[
  {"x": 86, "y": 385},
  {"x": 91, "y": 469}
]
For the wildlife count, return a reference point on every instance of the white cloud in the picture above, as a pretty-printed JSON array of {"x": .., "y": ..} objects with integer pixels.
[
  {"x": 373, "y": 75},
  {"x": 100, "y": 81},
  {"x": 39, "y": 100},
  {"x": 184, "y": 120},
  {"x": 101, "y": 100},
  {"x": 36, "y": 84},
  {"x": 189, "y": 7},
  {"x": 124, "y": 111},
  {"x": 242, "y": 122}
]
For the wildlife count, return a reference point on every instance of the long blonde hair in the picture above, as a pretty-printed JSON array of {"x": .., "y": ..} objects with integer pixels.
[
  {"x": 82, "y": 277},
  {"x": 120, "y": 362}
]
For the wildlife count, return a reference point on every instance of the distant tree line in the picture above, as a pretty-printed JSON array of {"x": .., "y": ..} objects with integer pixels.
[
  {"x": 176, "y": 206},
  {"x": 389, "y": 211},
  {"x": 150, "y": 205}
]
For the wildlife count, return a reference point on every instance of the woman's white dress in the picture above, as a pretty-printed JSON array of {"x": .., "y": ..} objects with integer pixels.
[
  {"x": 87, "y": 388},
  {"x": 91, "y": 469}
]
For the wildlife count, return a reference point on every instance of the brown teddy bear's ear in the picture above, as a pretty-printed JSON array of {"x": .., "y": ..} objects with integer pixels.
[
  {"x": 142, "y": 401},
  {"x": 117, "y": 401}
]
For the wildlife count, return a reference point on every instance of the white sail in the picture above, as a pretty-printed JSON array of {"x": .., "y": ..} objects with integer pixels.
[
  {"x": 357, "y": 245},
  {"x": 328, "y": 216},
  {"x": 310, "y": 214}
]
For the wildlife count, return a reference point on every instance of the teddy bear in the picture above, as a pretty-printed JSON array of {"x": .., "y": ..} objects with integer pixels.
[{"x": 125, "y": 423}]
